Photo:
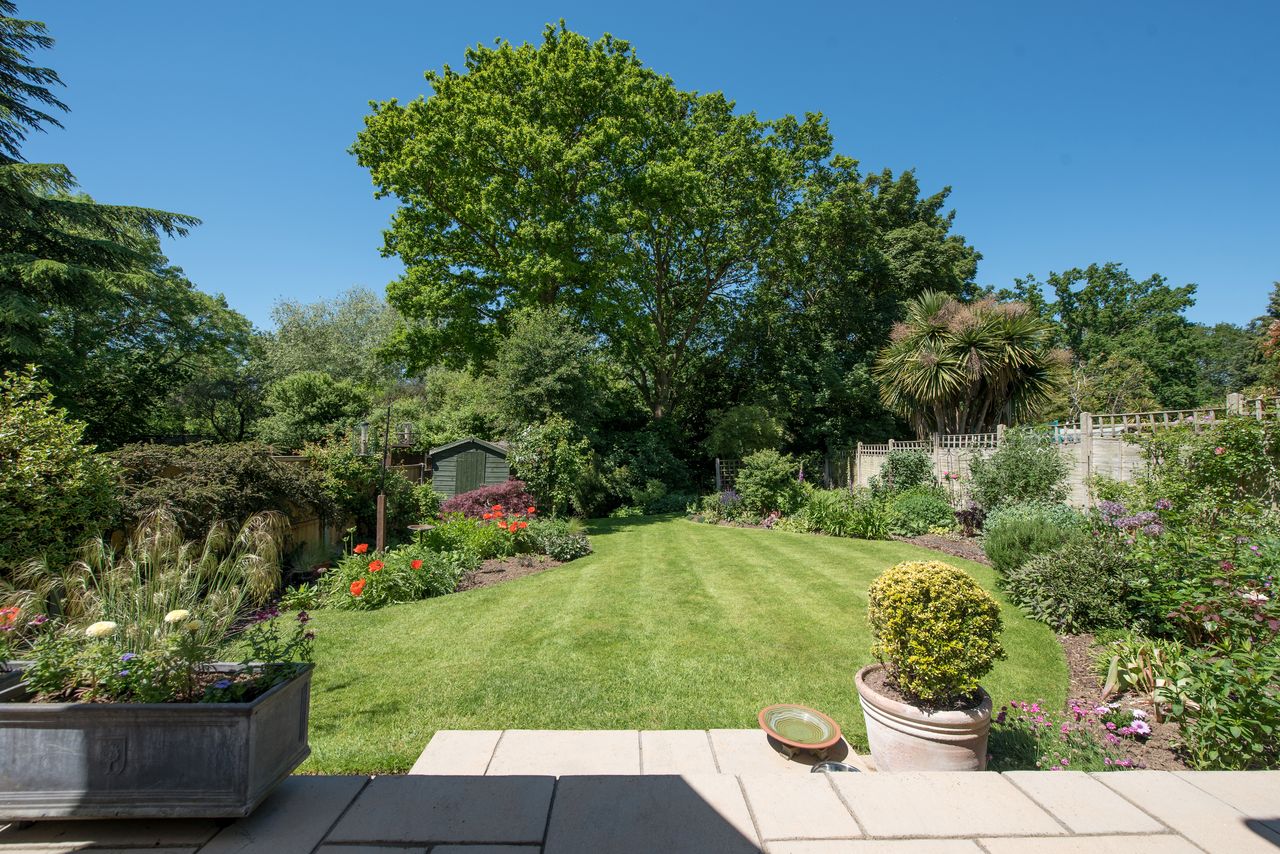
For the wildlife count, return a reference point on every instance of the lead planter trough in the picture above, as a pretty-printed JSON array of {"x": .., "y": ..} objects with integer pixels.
[{"x": 163, "y": 760}]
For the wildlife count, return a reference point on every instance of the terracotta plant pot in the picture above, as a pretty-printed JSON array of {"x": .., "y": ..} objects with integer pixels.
[{"x": 903, "y": 737}]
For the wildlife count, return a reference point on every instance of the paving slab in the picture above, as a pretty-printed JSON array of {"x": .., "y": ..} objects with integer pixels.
[
  {"x": 936, "y": 803},
  {"x": 561, "y": 752},
  {"x": 1090, "y": 845},
  {"x": 676, "y": 751},
  {"x": 692, "y": 814},
  {"x": 373, "y": 849},
  {"x": 293, "y": 820},
  {"x": 1193, "y": 812},
  {"x": 1254, "y": 793},
  {"x": 429, "y": 808},
  {"x": 750, "y": 751},
  {"x": 458, "y": 751},
  {"x": 107, "y": 833},
  {"x": 485, "y": 849},
  {"x": 787, "y": 806},
  {"x": 1082, "y": 803},
  {"x": 874, "y": 846},
  {"x": 77, "y": 849}
]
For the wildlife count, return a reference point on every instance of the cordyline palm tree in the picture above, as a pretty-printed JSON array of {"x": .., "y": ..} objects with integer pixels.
[{"x": 953, "y": 367}]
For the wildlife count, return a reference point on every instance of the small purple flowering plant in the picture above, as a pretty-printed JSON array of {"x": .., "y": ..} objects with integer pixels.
[{"x": 1027, "y": 736}]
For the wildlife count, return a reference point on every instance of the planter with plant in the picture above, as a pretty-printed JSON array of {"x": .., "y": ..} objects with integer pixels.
[
  {"x": 122, "y": 706},
  {"x": 937, "y": 632}
]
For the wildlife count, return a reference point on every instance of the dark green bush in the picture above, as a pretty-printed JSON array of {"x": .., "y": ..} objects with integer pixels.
[
  {"x": 1080, "y": 586},
  {"x": 903, "y": 470},
  {"x": 201, "y": 484},
  {"x": 55, "y": 492},
  {"x": 918, "y": 510},
  {"x": 1015, "y": 533},
  {"x": 767, "y": 481},
  {"x": 559, "y": 539},
  {"x": 350, "y": 484},
  {"x": 1026, "y": 468}
]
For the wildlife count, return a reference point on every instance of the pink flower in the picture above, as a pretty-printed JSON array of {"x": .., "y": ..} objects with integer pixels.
[{"x": 1219, "y": 451}]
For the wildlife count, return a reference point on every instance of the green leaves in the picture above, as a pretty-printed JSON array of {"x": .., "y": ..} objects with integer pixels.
[
  {"x": 952, "y": 367},
  {"x": 567, "y": 174}
]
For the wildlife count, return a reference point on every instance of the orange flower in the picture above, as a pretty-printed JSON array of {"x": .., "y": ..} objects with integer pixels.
[
  {"x": 531, "y": 510},
  {"x": 8, "y": 616},
  {"x": 488, "y": 515},
  {"x": 357, "y": 587},
  {"x": 502, "y": 525},
  {"x": 361, "y": 549},
  {"x": 497, "y": 508},
  {"x": 416, "y": 564},
  {"x": 375, "y": 565},
  {"x": 524, "y": 525}
]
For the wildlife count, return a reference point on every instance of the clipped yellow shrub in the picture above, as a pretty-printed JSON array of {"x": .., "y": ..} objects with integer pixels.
[{"x": 937, "y": 632}]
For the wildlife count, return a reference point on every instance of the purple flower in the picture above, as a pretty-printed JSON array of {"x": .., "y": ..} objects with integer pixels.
[
  {"x": 222, "y": 684},
  {"x": 124, "y": 672},
  {"x": 128, "y": 656},
  {"x": 268, "y": 613},
  {"x": 1140, "y": 727},
  {"x": 38, "y": 620},
  {"x": 1164, "y": 504},
  {"x": 309, "y": 636},
  {"x": 304, "y": 617}
]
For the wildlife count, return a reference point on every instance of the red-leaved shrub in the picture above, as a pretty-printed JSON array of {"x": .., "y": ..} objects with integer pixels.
[{"x": 512, "y": 495}]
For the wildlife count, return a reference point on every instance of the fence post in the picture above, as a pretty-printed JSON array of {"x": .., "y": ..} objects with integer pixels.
[
  {"x": 857, "y": 467},
  {"x": 719, "y": 477},
  {"x": 1086, "y": 452},
  {"x": 999, "y": 435},
  {"x": 1235, "y": 403}
]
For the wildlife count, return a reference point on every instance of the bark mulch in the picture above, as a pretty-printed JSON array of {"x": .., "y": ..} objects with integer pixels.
[{"x": 498, "y": 570}]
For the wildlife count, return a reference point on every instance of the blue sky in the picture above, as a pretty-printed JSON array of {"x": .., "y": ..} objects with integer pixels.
[{"x": 1145, "y": 133}]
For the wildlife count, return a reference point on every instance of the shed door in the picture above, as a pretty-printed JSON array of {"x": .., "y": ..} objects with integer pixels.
[{"x": 470, "y": 471}]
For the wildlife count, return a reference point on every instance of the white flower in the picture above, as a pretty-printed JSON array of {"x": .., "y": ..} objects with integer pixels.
[
  {"x": 177, "y": 616},
  {"x": 101, "y": 629},
  {"x": 194, "y": 626},
  {"x": 1139, "y": 714}
]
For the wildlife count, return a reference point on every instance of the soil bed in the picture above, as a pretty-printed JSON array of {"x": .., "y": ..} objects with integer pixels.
[
  {"x": 1159, "y": 752},
  {"x": 969, "y": 548},
  {"x": 498, "y": 570}
]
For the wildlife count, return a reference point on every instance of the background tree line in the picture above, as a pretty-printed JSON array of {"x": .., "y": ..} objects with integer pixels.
[{"x": 620, "y": 277}]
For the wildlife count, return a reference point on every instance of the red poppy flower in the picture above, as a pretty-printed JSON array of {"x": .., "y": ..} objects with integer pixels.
[
  {"x": 416, "y": 564},
  {"x": 497, "y": 508},
  {"x": 531, "y": 510},
  {"x": 357, "y": 587},
  {"x": 375, "y": 565},
  {"x": 361, "y": 549}
]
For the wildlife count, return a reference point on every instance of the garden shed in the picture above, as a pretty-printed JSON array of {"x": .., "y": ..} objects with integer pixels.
[{"x": 468, "y": 464}]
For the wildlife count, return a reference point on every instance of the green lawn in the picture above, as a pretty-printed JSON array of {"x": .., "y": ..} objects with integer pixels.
[{"x": 668, "y": 625}]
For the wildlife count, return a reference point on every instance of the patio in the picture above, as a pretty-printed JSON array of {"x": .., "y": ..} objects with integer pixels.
[{"x": 557, "y": 792}]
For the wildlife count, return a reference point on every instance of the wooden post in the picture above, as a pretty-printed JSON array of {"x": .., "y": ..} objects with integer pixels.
[
  {"x": 719, "y": 477},
  {"x": 857, "y": 467},
  {"x": 999, "y": 435},
  {"x": 1235, "y": 403},
  {"x": 1086, "y": 453},
  {"x": 381, "y": 540}
]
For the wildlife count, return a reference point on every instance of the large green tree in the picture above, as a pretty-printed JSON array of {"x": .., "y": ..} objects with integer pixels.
[
  {"x": 569, "y": 174},
  {"x": 84, "y": 291},
  {"x": 833, "y": 284},
  {"x": 1103, "y": 311}
]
